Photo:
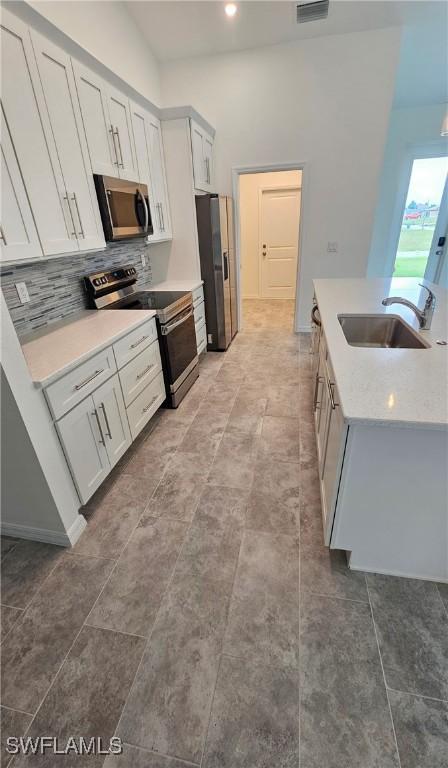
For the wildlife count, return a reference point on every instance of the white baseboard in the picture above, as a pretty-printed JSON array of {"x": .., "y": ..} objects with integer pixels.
[{"x": 67, "y": 539}]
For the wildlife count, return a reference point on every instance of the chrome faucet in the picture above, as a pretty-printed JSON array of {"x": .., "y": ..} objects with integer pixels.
[{"x": 424, "y": 315}]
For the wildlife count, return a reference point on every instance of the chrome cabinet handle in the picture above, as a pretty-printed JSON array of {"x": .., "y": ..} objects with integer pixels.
[
  {"x": 162, "y": 217},
  {"x": 89, "y": 379},
  {"x": 117, "y": 133},
  {"x": 159, "y": 214},
  {"x": 143, "y": 373},
  {"x": 102, "y": 440},
  {"x": 2, "y": 235},
  {"x": 81, "y": 229},
  {"x": 331, "y": 386},
  {"x": 147, "y": 407},
  {"x": 67, "y": 198},
  {"x": 109, "y": 433},
  {"x": 112, "y": 132},
  {"x": 319, "y": 380},
  {"x": 137, "y": 343}
]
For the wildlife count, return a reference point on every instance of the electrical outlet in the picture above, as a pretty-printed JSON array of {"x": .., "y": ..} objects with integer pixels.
[
  {"x": 22, "y": 292},
  {"x": 332, "y": 246},
  {"x": 143, "y": 260}
]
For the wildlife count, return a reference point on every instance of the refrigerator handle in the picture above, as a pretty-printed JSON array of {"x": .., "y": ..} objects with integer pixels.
[{"x": 226, "y": 265}]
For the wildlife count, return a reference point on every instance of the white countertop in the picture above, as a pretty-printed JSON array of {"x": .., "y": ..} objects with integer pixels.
[
  {"x": 57, "y": 349},
  {"x": 403, "y": 387},
  {"x": 176, "y": 285}
]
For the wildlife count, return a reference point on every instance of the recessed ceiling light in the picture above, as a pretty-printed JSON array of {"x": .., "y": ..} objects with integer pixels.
[{"x": 230, "y": 9}]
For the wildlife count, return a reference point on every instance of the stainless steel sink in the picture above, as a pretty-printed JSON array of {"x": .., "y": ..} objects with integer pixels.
[{"x": 380, "y": 331}]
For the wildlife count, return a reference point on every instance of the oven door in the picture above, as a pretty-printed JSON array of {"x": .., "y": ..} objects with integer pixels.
[
  {"x": 124, "y": 206},
  {"x": 179, "y": 348}
]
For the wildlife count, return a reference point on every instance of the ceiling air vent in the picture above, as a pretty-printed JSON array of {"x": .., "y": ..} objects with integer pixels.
[{"x": 312, "y": 11}]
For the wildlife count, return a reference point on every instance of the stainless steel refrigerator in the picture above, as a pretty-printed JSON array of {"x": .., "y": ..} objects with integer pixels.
[{"x": 217, "y": 253}]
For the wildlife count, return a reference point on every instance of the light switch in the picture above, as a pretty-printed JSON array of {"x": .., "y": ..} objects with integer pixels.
[
  {"x": 22, "y": 292},
  {"x": 332, "y": 246}
]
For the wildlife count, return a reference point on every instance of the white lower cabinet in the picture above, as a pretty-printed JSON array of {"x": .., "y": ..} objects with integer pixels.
[
  {"x": 145, "y": 405},
  {"x": 109, "y": 405},
  {"x": 84, "y": 447}
]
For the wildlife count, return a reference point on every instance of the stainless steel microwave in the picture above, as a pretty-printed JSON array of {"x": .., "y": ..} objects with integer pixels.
[{"x": 124, "y": 207}]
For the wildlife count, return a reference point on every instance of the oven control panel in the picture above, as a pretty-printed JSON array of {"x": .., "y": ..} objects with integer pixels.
[{"x": 100, "y": 282}]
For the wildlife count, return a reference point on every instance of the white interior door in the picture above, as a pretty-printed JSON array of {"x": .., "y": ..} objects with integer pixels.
[{"x": 279, "y": 242}]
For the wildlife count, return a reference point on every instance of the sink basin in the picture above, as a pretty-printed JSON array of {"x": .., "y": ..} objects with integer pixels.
[{"x": 380, "y": 331}]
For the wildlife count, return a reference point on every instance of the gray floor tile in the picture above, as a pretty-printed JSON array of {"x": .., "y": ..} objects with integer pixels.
[
  {"x": 263, "y": 619},
  {"x": 345, "y": 719},
  {"x": 254, "y": 719},
  {"x": 88, "y": 694},
  {"x": 12, "y": 724},
  {"x": 148, "y": 463},
  {"x": 219, "y": 504},
  {"x": 246, "y": 415},
  {"x": 274, "y": 500},
  {"x": 108, "y": 529},
  {"x": 204, "y": 434},
  {"x": 234, "y": 461},
  {"x": 421, "y": 727},
  {"x": 283, "y": 400},
  {"x": 178, "y": 492},
  {"x": 412, "y": 630},
  {"x": 443, "y": 591},
  {"x": 7, "y": 544},
  {"x": 168, "y": 708},
  {"x": 165, "y": 437},
  {"x": 8, "y": 617},
  {"x": 134, "y": 757},
  {"x": 36, "y": 646},
  {"x": 25, "y": 569},
  {"x": 280, "y": 438},
  {"x": 131, "y": 598},
  {"x": 325, "y": 571},
  {"x": 211, "y": 552},
  {"x": 221, "y": 396}
]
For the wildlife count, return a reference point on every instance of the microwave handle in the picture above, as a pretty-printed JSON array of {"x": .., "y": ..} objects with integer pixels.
[{"x": 139, "y": 192}]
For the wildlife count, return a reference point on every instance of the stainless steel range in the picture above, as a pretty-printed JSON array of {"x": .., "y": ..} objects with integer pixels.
[{"x": 175, "y": 323}]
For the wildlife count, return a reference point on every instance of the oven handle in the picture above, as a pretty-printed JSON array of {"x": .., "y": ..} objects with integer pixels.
[
  {"x": 315, "y": 320},
  {"x": 139, "y": 192},
  {"x": 166, "y": 329}
]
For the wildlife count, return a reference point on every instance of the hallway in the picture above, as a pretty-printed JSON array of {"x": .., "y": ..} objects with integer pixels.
[{"x": 200, "y": 617}]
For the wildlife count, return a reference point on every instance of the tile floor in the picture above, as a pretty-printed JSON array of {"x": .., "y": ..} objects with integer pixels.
[{"x": 201, "y": 619}]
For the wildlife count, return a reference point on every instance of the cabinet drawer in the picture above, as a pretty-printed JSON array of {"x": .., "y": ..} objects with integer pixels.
[
  {"x": 137, "y": 374},
  {"x": 133, "y": 343},
  {"x": 198, "y": 295},
  {"x": 201, "y": 337},
  {"x": 70, "y": 389},
  {"x": 199, "y": 314},
  {"x": 145, "y": 405}
]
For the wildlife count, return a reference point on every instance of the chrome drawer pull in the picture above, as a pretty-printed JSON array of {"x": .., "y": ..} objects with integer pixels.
[
  {"x": 102, "y": 440},
  {"x": 137, "y": 343},
  {"x": 87, "y": 381},
  {"x": 109, "y": 433},
  {"x": 147, "y": 407},
  {"x": 143, "y": 373}
]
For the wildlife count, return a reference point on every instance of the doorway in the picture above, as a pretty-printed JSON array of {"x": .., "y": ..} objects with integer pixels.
[
  {"x": 269, "y": 218},
  {"x": 423, "y": 226}
]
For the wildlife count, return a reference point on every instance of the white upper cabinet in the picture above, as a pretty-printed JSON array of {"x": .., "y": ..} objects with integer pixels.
[
  {"x": 202, "y": 150},
  {"x": 66, "y": 141},
  {"x": 151, "y": 169},
  {"x": 161, "y": 213},
  {"x": 43, "y": 181},
  {"x": 18, "y": 234},
  {"x": 107, "y": 122}
]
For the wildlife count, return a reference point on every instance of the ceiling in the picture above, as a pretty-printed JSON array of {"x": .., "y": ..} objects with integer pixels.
[{"x": 180, "y": 29}]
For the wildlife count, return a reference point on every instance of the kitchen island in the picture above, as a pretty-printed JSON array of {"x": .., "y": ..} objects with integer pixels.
[{"x": 381, "y": 418}]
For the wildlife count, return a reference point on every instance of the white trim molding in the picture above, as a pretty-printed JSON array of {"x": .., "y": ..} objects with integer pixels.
[{"x": 60, "y": 538}]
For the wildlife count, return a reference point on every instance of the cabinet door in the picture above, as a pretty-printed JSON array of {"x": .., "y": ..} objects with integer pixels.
[
  {"x": 109, "y": 405},
  {"x": 140, "y": 126},
  {"x": 83, "y": 441},
  {"x": 97, "y": 124},
  {"x": 208, "y": 159},
  {"x": 43, "y": 181},
  {"x": 324, "y": 412},
  {"x": 58, "y": 96},
  {"x": 199, "y": 166},
  {"x": 18, "y": 233},
  {"x": 120, "y": 118},
  {"x": 161, "y": 214},
  {"x": 333, "y": 454}
]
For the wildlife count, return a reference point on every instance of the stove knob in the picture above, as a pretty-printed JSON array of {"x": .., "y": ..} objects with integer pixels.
[
  {"x": 97, "y": 281},
  {"x": 104, "y": 280}
]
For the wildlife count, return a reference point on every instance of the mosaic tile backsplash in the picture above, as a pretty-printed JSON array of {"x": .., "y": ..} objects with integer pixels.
[{"x": 56, "y": 287}]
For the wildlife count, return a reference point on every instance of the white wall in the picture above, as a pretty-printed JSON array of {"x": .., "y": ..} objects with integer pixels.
[
  {"x": 250, "y": 185},
  {"x": 325, "y": 101},
  {"x": 107, "y": 31},
  {"x": 409, "y": 127}
]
